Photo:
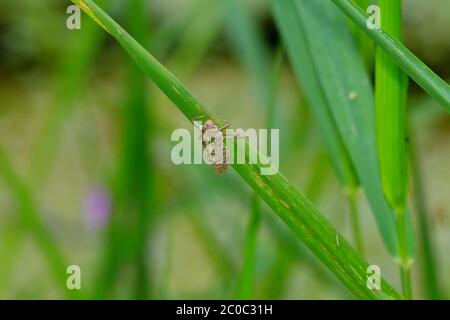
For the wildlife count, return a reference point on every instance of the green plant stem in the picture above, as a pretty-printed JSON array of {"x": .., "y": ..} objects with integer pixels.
[
  {"x": 130, "y": 224},
  {"x": 410, "y": 64},
  {"x": 391, "y": 88},
  {"x": 291, "y": 206},
  {"x": 406, "y": 282},
  {"x": 405, "y": 264},
  {"x": 390, "y": 97}
]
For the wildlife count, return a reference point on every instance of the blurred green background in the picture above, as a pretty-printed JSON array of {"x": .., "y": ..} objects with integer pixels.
[{"x": 85, "y": 172}]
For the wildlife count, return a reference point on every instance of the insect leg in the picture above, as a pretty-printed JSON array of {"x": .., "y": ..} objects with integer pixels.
[
  {"x": 195, "y": 119},
  {"x": 225, "y": 126}
]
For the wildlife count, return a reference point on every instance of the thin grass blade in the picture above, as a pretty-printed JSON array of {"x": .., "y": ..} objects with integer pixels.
[
  {"x": 130, "y": 223},
  {"x": 346, "y": 93}
]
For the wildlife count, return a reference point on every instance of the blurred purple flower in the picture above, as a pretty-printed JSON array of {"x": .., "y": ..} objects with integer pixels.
[{"x": 97, "y": 207}]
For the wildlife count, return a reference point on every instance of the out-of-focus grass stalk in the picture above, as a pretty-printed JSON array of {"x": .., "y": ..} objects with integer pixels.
[
  {"x": 292, "y": 206},
  {"x": 163, "y": 290},
  {"x": 10, "y": 247},
  {"x": 405, "y": 59},
  {"x": 139, "y": 124},
  {"x": 253, "y": 54},
  {"x": 352, "y": 197},
  {"x": 427, "y": 254},
  {"x": 31, "y": 221},
  {"x": 245, "y": 282},
  {"x": 320, "y": 169},
  {"x": 278, "y": 274},
  {"x": 129, "y": 226},
  {"x": 216, "y": 251},
  {"x": 390, "y": 109}
]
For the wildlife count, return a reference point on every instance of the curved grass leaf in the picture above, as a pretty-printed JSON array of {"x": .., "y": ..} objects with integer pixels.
[
  {"x": 291, "y": 205},
  {"x": 302, "y": 60},
  {"x": 133, "y": 212},
  {"x": 338, "y": 72}
]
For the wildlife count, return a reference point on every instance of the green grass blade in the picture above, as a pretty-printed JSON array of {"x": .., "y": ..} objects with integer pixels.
[
  {"x": 390, "y": 105},
  {"x": 130, "y": 222},
  {"x": 391, "y": 86},
  {"x": 291, "y": 206},
  {"x": 405, "y": 59},
  {"x": 346, "y": 94},
  {"x": 287, "y": 20},
  {"x": 254, "y": 56},
  {"x": 136, "y": 174}
]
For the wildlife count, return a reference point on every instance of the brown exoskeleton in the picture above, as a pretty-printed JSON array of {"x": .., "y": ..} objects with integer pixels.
[{"x": 212, "y": 137}]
